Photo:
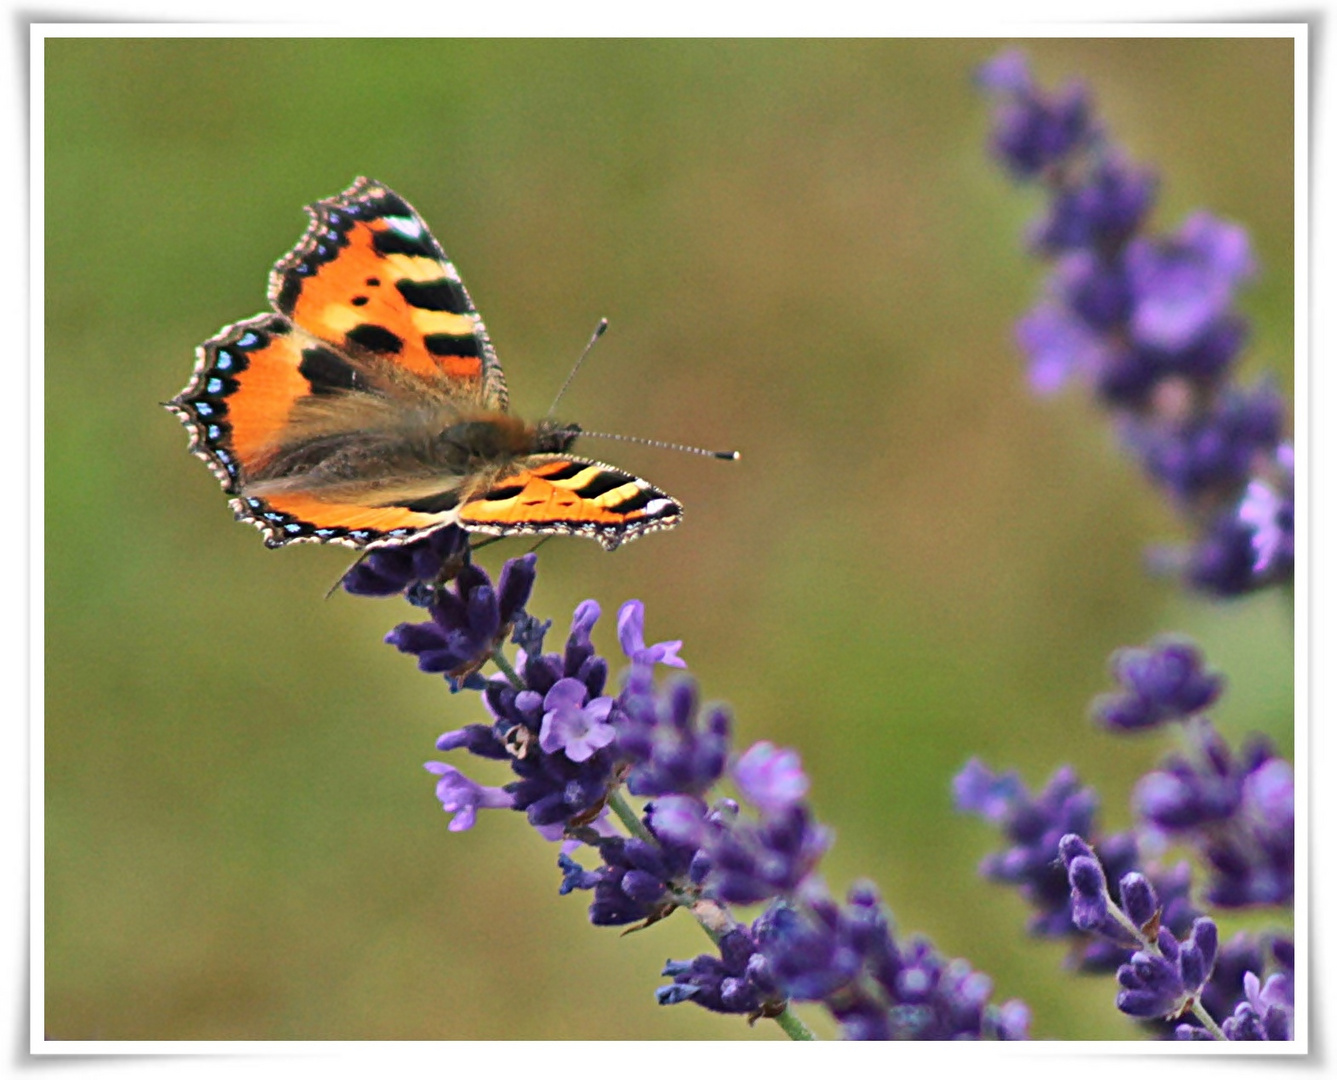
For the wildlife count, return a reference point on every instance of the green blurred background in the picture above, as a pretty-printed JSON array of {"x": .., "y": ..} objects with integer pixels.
[{"x": 806, "y": 254}]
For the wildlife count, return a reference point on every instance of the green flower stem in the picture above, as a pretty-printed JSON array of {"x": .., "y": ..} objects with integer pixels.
[
  {"x": 795, "y": 1028},
  {"x": 1207, "y": 1021},
  {"x": 625, "y": 814},
  {"x": 504, "y": 666}
]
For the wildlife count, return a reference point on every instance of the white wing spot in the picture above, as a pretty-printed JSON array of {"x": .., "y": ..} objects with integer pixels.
[
  {"x": 656, "y": 506},
  {"x": 410, "y": 227}
]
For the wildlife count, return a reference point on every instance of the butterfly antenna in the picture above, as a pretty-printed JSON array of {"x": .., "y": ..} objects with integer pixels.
[
  {"x": 598, "y": 333},
  {"x": 722, "y": 455}
]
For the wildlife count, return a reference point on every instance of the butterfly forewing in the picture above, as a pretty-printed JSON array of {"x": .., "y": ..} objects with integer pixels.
[{"x": 369, "y": 278}]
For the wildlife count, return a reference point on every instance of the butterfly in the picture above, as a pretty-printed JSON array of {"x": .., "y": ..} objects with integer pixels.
[{"x": 369, "y": 408}]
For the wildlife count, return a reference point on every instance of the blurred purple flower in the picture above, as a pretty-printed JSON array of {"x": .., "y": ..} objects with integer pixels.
[
  {"x": 770, "y": 779},
  {"x": 1239, "y": 812},
  {"x": 1163, "y": 682},
  {"x": 631, "y": 636},
  {"x": 1032, "y": 130}
]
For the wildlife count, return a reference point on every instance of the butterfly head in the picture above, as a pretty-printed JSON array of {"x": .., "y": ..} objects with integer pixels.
[{"x": 554, "y": 437}]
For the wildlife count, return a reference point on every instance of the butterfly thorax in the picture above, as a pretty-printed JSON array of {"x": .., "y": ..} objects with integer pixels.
[
  {"x": 551, "y": 437},
  {"x": 491, "y": 439}
]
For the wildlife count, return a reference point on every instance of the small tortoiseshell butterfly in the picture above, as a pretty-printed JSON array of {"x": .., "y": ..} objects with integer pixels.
[{"x": 369, "y": 408}]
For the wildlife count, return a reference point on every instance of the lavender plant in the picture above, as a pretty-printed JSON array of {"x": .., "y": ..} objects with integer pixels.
[
  {"x": 717, "y": 829},
  {"x": 654, "y": 809},
  {"x": 1147, "y": 321}
]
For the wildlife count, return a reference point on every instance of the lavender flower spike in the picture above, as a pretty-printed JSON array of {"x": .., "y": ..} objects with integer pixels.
[
  {"x": 1148, "y": 321},
  {"x": 576, "y": 754}
]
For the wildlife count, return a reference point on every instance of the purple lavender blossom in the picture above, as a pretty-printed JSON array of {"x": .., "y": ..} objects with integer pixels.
[
  {"x": 848, "y": 958},
  {"x": 737, "y": 981},
  {"x": 637, "y": 880},
  {"x": 572, "y": 747},
  {"x": 1032, "y": 131},
  {"x": 1238, "y": 812},
  {"x": 672, "y": 749},
  {"x": 1207, "y": 457},
  {"x": 631, "y": 636},
  {"x": 386, "y": 571},
  {"x": 462, "y": 797},
  {"x": 1163, "y": 981},
  {"x": 571, "y": 724},
  {"x": 976, "y": 790},
  {"x": 1034, "y": 828},
  {"x": 468, "y": 622},
  {"x": 756, "y": 860},
  {"x": 1222, "y": 562},
  {"x": 1268, "y": 1011},
  {"x": 1164, "y": 976},
  {"x": 1247, "y": 1008},
  {"x": 1183, "y": 285},
  {"x": 1149, "y": 322},
  {"x": 1060, "y": 346},
  {"x": 1268, "y": 510},
  {"x": 1096, "y": 211},
  {"x": 563, "y": 776},
  {"x": 1037, "y": 827},
  {"x": 1165, "y": 681},
  {"x": 1093, "y": 909},
  {"x": 769, "y": 778}
]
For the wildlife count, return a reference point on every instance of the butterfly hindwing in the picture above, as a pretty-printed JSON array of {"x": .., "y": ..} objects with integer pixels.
[
  {"x": 251, "y": 381},
  {"x": 369, "y": 278},
  {"x": 571, "y": 496}
]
